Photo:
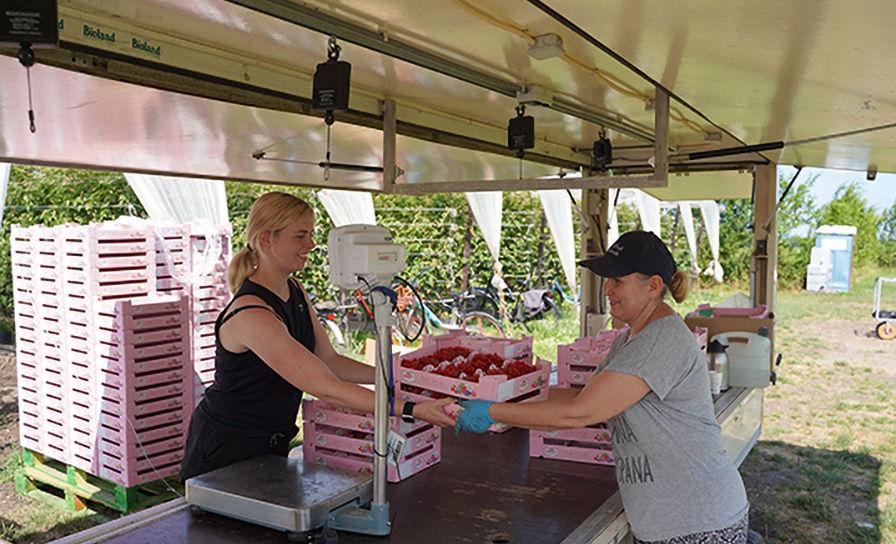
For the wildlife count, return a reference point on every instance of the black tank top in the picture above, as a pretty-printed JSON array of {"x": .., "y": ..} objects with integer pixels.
[{"x": 248, "y": 397}]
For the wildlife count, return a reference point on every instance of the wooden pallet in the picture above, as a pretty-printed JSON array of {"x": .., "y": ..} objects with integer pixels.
[{"x": 40, "y": 476}]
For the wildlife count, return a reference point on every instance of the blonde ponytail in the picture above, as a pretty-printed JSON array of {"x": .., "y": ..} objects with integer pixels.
[
  {"x": 271, "y": 212},
  {"x": 241, "y": 267},
  {"x": 679, "y": 286}
]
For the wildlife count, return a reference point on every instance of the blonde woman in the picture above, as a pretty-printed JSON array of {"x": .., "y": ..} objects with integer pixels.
[
  {"x": 269, "y": 349},
  {"x": 677, "y": 484}
]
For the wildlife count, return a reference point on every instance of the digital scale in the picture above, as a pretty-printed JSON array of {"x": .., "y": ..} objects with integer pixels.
[{"x": 288, "y": 495}]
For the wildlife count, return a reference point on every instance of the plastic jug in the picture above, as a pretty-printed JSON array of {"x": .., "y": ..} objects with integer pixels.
[
  {"x": 749, "y": 356},
  {"x": 718, "y": 360}
]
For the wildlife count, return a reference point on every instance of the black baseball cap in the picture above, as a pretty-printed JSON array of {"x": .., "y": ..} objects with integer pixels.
[{"x": 635, "y": 251}]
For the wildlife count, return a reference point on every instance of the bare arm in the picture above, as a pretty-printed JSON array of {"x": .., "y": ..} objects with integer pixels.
[
  {"x": 607, "y": 394},
  {"x": 346, "y": 368},
  {"x": 260, "y": 331}
]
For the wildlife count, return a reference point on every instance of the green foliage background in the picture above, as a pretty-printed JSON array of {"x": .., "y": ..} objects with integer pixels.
[{"x": 434, "y": 229}]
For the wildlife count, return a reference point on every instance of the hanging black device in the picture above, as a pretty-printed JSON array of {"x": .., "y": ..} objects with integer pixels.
[
  {"x": 332, "y": 81},
  {"x": 521, "y": 131},
  {"x": 603, "y": 152},
  {"x": 29, "y": 21}
]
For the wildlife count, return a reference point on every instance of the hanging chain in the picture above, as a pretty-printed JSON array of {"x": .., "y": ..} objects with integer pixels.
[
  {"x": 327, "y": 167},
  {"x": 333, "y": 49}
]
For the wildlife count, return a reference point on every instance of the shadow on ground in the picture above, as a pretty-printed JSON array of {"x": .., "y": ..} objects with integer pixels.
[{"x": 810, "y": 495}]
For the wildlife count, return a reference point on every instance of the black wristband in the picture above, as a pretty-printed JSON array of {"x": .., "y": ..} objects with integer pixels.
[{"x": 407, "y": 413}]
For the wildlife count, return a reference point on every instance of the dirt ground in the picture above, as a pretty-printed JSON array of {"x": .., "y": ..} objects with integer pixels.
[{"x": 825, "y": 467}]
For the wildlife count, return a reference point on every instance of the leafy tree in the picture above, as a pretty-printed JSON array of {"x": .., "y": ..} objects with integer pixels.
[
  {"x": 887, "y": 236},
  {"x": 849, "y": 208}
]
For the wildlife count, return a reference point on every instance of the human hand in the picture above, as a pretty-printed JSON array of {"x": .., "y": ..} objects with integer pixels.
[
  {"x": 434, "y": 412},
  {"x": 474, "y": 416}
]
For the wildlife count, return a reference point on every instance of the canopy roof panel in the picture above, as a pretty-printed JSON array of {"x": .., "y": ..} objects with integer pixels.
[{"x": 739, "y": 73}]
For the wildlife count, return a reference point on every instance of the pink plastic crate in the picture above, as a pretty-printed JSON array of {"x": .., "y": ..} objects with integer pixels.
[
  {"x": 509, "y": 348},
  {"x": 362, "y": 443},
  {"x": 408, "y": 465},
  {"x": 701, "y": 335},
  {"x": 586, "y": 445}
]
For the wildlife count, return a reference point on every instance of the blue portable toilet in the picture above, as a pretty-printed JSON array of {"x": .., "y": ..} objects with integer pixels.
[{"x": 837, "y": 240}]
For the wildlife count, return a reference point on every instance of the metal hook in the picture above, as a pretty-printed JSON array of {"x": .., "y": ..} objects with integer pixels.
[
  {"x": 333, "y": 49},
  {"x": 520, "y": 110}
]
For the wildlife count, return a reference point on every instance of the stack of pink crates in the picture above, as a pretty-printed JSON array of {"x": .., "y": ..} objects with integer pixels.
[
  {"x": 344, "y": 439},
  {"x": 576, "y": 363},
  {"x": 105, "y": 358},
  {"x": 529, "y": 387}
]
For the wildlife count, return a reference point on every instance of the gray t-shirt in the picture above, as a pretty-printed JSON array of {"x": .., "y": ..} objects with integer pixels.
[{"x": 673, "y": 474}]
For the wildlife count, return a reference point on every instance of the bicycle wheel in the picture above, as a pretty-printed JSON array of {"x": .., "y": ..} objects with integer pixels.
[
  {"x": 411, "y": 321},
  {"x": 482, "y": 324}
]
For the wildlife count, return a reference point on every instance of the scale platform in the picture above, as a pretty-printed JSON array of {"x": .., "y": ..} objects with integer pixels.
[{"x": 278, "y": 492}]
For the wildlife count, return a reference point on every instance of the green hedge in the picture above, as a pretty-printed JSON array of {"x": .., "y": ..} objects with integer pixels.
[{"x": 437, "y": 228}]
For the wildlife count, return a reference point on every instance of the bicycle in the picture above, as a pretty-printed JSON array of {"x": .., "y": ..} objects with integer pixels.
[{"x": 415, "y": 316}]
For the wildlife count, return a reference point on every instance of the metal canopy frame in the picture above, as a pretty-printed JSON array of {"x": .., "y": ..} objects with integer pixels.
[{"x": 659, "y": 178}]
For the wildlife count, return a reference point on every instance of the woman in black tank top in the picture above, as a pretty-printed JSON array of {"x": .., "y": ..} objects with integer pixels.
[{"x": 269, "y": 349}]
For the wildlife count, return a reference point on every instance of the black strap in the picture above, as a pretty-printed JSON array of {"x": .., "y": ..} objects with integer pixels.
[{"x": 241, "y": 308}]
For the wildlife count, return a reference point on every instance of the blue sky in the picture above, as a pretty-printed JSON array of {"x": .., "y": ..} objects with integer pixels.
[{"x": 880, "y": 193}]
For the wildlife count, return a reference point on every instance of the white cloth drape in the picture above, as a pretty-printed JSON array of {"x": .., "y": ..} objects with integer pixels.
[
  {"x": 4, "y": 185},
  {"x": 709, "y": 209},
  {"x": 348, "y": 207},
  {"x": 687, "y": 218},
  {"x": 487, "y": 209},
  {"x": 181, "y": 200},
  {"x": 558, "y": 212},
  {"x": 649, "y": 211}
]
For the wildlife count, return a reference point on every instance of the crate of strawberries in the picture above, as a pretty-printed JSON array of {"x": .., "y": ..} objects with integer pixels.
[{"x": 460, "y": 372}]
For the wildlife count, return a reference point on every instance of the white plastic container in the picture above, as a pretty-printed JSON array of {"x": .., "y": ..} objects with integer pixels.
[{"x": 749, "y": 356}]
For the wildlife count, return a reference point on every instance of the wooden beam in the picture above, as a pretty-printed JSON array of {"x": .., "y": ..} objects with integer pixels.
[
  {"x": 389, "y": 125},
  {"x": 527, "y": 184},
  {"x": 661, "y": 129},
  {"x": 592, "y": 310},
  {"x": 765, "y": 242}
]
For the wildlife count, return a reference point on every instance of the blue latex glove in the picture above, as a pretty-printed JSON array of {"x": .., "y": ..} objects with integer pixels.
[{"x": 474, "y": 416}]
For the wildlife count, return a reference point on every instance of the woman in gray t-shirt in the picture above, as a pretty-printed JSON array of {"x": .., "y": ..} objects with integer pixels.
[{"x": 677, "y": 484}]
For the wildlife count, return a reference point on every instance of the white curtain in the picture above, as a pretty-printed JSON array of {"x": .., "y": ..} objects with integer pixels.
[
  {"x": 614, "y": 219},
  {"x": 487, "y": 208},
  {"x": 558, "y": 212},
  {"x": 649, "y": 210},
  {"x": 348, "y": 207},
  {"x": 688, "y": 219},
  {"x": 709, "y": 209},
  {"x": 181, "y": 200},
  {"x": 4, "y": 184}
]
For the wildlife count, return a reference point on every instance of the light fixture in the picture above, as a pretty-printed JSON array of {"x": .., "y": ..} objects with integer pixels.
[{"x": 546, "y": 46}]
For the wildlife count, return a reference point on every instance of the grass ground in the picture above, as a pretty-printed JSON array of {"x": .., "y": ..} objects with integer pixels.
[{"x": 823, "y": 471}]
